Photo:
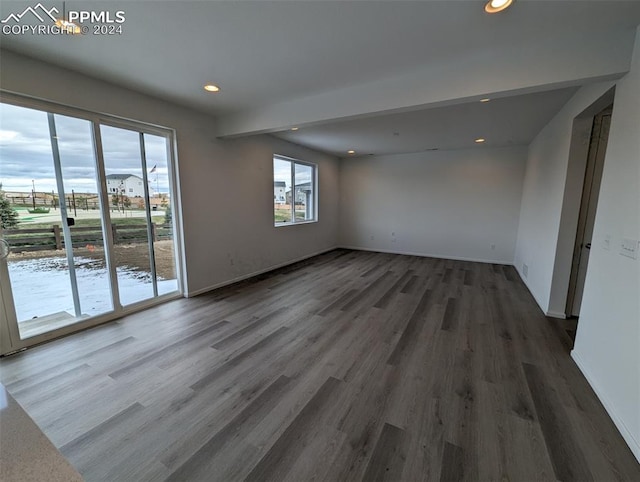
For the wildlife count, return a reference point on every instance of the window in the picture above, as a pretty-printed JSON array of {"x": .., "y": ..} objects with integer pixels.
[
  {"x": 125, "y": 257},
  {"x": 294, "y": 191}
]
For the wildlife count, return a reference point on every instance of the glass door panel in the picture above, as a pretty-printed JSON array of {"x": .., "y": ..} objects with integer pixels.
[
  {"x": 79, "y": 180},
  {"x": 47, "y": 169},
  {"x": 37, "y": 267},
  {"x": 137, "y": 174},
  {"x": 126, "y": 190},
  {"x": 157, "y": 152}
]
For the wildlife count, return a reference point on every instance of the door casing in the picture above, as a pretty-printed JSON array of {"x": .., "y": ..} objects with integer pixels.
[{"x": 588, "y": 204}]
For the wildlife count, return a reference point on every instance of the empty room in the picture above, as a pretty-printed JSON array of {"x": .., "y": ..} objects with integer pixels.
[{"x": 444, "y": 287}]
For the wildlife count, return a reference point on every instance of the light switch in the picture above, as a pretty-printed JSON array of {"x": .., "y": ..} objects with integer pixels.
[{"x": 629, "y": 248}]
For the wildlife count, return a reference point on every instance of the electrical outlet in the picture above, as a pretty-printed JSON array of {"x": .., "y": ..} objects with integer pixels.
[
  {"x": 629, "y": 248},
  {"x": 525, "y": 270},
  {"x": 493, "y": 247}
]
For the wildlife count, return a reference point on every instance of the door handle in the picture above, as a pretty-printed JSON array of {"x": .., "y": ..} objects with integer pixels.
[{"x": 588, "y": 245}]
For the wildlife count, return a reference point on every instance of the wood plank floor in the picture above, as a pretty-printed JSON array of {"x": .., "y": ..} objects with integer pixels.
[{"x": 349, "y": 366}]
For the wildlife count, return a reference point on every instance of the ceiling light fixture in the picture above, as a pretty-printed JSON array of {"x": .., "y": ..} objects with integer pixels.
[
  {"x": 486, "y": 99},
  {"x": 64, "y": 25},
  {"x": 351, "y": 151},
  {"x": 479, "y": 140},
  {"x": 495, "y": 6},
  {"x": 295, "y": 128},
  {"x": 211, "y": 88}
]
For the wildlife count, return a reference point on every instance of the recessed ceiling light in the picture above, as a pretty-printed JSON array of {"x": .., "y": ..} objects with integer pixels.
[
  {"x": 486, "y": 99},
  {"x": 351, "y": 151},
  {"x": 295, "y": 128},
  {"x": 479, "y": 140},
  {"x": 495, "y": 6},
  {"x": 211, "y": 88}
]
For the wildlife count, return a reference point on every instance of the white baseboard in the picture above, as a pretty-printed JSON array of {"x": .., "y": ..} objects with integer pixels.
[
  {"x": 191, "y": 294},
  {"x": 427, "y": 255},
  {"x": 628, "y": 437},
  {"x": 555, "y": 314}
]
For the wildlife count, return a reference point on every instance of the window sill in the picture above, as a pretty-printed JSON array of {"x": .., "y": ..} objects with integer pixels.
[{"x": 280, "y": 225}]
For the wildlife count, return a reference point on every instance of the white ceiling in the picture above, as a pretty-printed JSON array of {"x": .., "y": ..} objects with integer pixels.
[
  {"x": 272, "y": 58},
  {"x": 507, "y": 121}
]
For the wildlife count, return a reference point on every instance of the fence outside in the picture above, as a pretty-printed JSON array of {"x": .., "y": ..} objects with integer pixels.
[
  {"x": 79, "y": 201},
  {"x": 38, "y": 239}
]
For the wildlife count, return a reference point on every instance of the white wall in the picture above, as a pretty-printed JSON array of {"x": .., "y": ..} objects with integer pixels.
[
  {"x": 543, "y": 198},
  {"x": 607, "y": 347},
  {"x": 226, "y": 186},
  {"x": 449, "y": 204}
]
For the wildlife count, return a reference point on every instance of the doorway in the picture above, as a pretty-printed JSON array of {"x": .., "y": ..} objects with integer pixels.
[
  {"x": 90, "y": 229},
  {"x": 588, "y": 207}
]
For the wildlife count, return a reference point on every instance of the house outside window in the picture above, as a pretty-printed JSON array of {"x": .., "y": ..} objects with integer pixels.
[{"x": 127, "y": 183}]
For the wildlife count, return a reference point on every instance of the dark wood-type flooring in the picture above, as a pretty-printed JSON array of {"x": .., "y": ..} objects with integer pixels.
[{"x": 350, "y": 366}]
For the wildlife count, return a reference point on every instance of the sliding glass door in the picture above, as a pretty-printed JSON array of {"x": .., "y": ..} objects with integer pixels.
[
  {"x": 139, "y": 204},
  {"x": 86, "y": 210}
]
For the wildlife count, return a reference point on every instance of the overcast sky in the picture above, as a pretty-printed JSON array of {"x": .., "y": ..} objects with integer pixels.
[
  {"x": 282, "y": 172},
  {"x": 26, "y": 155}
]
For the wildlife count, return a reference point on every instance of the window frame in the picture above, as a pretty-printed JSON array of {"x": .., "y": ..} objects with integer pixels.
[
  {"x": 314, "y": 190},
  {"x": 98, "y": 119}
]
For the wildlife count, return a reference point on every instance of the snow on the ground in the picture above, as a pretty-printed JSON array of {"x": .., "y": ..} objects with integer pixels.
[
  {"x": 53, "y": 216},
  {"x": 42, "y": 286}
]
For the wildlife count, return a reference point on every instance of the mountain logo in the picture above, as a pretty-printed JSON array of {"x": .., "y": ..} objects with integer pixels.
[{"x": 39, "y": 11}]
